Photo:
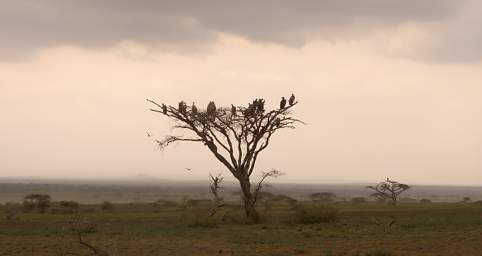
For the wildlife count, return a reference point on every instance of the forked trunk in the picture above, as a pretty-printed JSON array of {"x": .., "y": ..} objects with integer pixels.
[{"x": 249, "y": 200}]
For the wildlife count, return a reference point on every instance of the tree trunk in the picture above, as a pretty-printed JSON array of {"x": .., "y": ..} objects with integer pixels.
[
  {"x": 249, "y": 200},
  {"x": 394, "y": 200}
]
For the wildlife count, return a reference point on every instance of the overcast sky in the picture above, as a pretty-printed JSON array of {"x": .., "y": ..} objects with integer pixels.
[{"x": 388, "y": 88}]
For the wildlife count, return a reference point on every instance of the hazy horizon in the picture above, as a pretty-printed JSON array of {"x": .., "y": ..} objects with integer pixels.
[
  {"x": 159, "y": 180},
  {"x": 387, "y": 88}
]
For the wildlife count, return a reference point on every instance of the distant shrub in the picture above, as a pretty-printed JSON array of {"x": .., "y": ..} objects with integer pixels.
[
  {"x": 359, "y": 200},
  {"x": 70, "y": 206},
  {"x": 425, "y": 201},
  {"x": 107, "y": 206},
  {"x": 316, "y": 214},
  {"x": 323, "y": 197},
  {"x": 466, "y": 199},
  {"x": 36, "y": 201}
]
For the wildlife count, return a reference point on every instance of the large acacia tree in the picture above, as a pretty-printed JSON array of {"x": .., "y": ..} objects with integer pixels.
[{"x": 235, "y": 135}]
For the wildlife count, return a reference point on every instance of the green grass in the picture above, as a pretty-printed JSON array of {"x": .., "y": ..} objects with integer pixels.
[{"x": 143, "y": 229}]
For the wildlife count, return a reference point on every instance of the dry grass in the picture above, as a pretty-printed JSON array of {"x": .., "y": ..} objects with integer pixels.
[{"x": 144, "y": 229}]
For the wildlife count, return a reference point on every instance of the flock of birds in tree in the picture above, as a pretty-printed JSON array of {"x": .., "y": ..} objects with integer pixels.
[
  {"x": 257, "y": 106},
  {"x": 291, "y": 101}
]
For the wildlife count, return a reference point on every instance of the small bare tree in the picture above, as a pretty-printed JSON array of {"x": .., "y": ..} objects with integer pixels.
[
  {"x": 79, "y": 227},
  {"x": 215, "y": 186},
  {"x": 235, "y": 135},
  {"x": 389, "y": 189}
]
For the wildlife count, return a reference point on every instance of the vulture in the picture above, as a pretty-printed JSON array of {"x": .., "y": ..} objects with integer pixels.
[
  {"x": 211, "y": 108},
  {"x": 260, "y": 105},
  {"x": 194, "y": 109},
  {"x": 164, "y": 109},
  {"x": 250, "y": 110},
  {"x": 282, "y": 103},
  {"x": 208, "y": 109},
  {"x": 233, "y": 110},
  {"x": 292, "y": 99},
  {"x": 182, "y": 107}
]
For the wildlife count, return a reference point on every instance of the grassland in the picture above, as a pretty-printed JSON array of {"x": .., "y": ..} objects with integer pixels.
[{"x": 181, "y": 229}]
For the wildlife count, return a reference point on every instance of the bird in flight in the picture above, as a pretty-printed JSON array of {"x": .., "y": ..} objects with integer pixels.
[{"x": 189, "y": 169}]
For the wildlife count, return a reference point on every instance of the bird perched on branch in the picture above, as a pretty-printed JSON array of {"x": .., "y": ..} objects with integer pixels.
[
  {"x": 164, "y": 109},
  {"x": 211, "y": 109},
  {"x": 233, "y": 110},
  {"x": 282, "y": 103},
  {"x": 182, "y": 107},
  {"x": 292, "y": 99},
  {"x": 260, "y": 105},
  {"x": 250, "y": 110},
  {"x": 194, "y": 109}
]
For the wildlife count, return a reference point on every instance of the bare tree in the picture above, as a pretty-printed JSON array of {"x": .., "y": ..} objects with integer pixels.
[
  {"x": 234, "y": 135},
  {"x": 264, "y": 175},
  {"x": 79, "y": 227},
  {"x": 215, "y": 186},
  {"x": 389, "y": 189}
]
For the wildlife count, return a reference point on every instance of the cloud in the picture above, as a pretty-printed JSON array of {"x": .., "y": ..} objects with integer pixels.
[
  {"x": 456, "y": 40},
  {"x": 29, "y": 25}
]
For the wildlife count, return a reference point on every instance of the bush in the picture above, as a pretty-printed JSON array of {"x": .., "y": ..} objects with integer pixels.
[
  {"x": 316, "y": 214},
  {"x": 70, "y": 206},
  {"x": 425, "y": 201},
  {"x": 107, "y": 206}
]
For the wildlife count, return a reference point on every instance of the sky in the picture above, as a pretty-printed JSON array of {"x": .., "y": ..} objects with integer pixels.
[{"x": 387, "y": 88}]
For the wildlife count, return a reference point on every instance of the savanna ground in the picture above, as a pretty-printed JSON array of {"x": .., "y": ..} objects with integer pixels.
[{"x": 340, "y": 228}]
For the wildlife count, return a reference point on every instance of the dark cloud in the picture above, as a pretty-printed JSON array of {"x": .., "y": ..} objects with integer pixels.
[
  {"x": 458, "y": 41},
  {"x": 27, "y": 25}
]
